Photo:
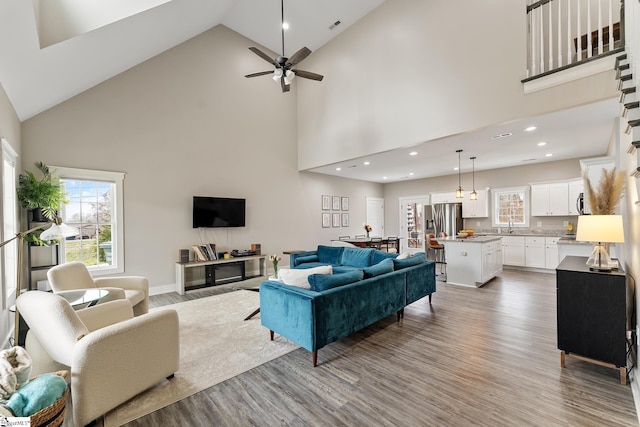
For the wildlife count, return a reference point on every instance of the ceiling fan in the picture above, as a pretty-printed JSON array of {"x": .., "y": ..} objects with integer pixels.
[{"x": 284, "y": 66}]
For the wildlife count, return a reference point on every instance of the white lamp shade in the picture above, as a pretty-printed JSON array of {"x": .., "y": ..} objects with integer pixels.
[
  {"x": 277, "y": 74},
  {"x": 57, "y": 231},
  {"x": 600, "y": 228}
]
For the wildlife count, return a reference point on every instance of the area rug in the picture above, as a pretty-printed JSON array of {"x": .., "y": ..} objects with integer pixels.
[{"x": 215, "y": 344}]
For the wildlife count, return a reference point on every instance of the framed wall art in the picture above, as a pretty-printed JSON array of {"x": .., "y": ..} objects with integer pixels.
[
  {"x": 336, "y": 203},
  {"x": 326, "y": 203},
  {"x": 336, "y": 220},
  {"x": 345, "y": 203},
  {"x": 345, "y": 219},
  {"x": 326, "y": 220}
]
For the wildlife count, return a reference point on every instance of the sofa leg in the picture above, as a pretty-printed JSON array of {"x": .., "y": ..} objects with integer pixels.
[
  {"x": 430, "y": 298},
  {"x": 400, "y": 314},
  {"x": 271, "y": 335},
  {"x": 171, "y": 376},
  {"x": 314, "y": 358}
]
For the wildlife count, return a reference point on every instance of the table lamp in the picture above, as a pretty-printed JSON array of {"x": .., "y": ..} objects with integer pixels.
[
  {"x": 601, "y": 230},
  {"x": 56, "y": 230}
]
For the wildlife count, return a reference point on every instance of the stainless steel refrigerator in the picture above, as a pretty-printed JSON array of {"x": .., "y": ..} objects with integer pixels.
[{"x": 447, "y": 217}]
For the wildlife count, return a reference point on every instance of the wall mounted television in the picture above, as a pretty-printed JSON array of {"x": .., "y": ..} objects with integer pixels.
[{"x": 213, "y": 212}]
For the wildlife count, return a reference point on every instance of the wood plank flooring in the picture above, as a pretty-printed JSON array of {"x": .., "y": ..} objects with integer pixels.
[{"x": 485, "y": 357}]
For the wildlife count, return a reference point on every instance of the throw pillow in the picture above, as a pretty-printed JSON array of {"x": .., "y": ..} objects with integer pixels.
[
  {"x": 403, "y": 255},
  {"x": 322, "y": 282},
  {"x": 330, "y": 254},
  {"x": 417, "y": 258},
  {"x": 298, "y": 278},
  {"x": 382, "y": 267},
  {"x": 307, "y": 258},
  {"x": 381, "y": 255}
]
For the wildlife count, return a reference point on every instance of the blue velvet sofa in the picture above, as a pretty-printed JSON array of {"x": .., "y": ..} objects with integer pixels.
[{"x": 367, "y": 285}]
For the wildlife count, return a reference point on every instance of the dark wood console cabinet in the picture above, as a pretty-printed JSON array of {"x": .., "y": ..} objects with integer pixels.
[{"x": 592, "y": 314}]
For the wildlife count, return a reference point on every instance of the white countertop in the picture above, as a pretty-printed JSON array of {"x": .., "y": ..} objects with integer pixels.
[{"x": 471, "y": 239}]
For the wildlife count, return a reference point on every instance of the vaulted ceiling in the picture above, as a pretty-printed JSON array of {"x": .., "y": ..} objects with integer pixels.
[{"x": 52, "y": 50}]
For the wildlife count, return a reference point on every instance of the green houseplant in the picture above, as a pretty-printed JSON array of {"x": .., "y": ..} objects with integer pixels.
[
  {"x": 45, "y": 193},
  {"x": 40, "y": 194}
]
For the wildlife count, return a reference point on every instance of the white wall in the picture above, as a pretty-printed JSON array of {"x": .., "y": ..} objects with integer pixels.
[
  {"x": 188, "y": 123},
  {"x": 414, "y": 70}
]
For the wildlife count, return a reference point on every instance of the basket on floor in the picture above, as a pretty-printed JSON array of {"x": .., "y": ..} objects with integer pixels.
[{"x": 52, "y": 415}]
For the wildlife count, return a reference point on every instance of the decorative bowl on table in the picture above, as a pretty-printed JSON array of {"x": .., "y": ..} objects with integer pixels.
[{"x": 461, "y": 234}]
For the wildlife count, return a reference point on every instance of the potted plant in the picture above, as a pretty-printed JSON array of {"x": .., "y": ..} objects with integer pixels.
[{"x": 44, "y": 194}]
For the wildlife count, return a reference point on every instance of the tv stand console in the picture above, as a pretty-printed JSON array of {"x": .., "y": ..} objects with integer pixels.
[{"x": 210, "y": 268}]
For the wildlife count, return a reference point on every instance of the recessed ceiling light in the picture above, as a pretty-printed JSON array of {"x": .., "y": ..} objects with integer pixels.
[
  {"x": 455, "y": 169},
  {"x": 413, "y": 153},
  {"x": 502, "y": 135},
  {"x": 384, "y": 177},
  {"x": 541, "y": 144},
  {"x": 410, "y": 173},
  {"x": 530, "y": 129},
  {"x": 367, "y": 163},
  {"x": 285, "y": 25},
  {"x": 338, "y": 169},
  {"x": 548, "y": 155}
]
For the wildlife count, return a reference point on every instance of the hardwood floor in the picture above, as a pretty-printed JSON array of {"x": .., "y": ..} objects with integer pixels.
[{"x": 483, "y": 356}]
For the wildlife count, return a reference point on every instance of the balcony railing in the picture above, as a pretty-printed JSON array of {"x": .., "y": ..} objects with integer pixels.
[{"x": 566, "y": 33}]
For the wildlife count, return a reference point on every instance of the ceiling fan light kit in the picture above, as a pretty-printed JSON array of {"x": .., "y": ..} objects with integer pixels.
[{"x": 284, "y": 70}]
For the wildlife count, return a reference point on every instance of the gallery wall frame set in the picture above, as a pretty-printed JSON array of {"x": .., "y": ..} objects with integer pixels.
[{"x": 338, "y": 218}]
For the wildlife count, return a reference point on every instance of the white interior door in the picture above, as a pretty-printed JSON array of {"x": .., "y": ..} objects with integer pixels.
[
  {"x": 412, "y": 223},
  {"x": 375, "y": 216}
]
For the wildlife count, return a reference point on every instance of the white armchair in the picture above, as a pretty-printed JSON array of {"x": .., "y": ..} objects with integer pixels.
[
  {"x": 111, "y": 354},
  {"x": 75, "y": 275}
]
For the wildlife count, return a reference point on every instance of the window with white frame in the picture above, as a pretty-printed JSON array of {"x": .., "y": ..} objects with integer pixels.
[
  {"x": 95, "y": 208},
  {"x": 9, "y": 259},
  {"x": 511, "y": 207}
]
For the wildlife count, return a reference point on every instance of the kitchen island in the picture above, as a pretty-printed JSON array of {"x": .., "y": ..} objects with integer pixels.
[{"x": 472, "y": 261}]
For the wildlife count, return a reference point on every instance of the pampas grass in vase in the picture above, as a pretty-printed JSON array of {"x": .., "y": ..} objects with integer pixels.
[{"x": 604, "y": 199}]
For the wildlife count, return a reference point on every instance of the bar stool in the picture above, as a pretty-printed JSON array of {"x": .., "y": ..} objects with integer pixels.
[{"x": 437, "y": 249}]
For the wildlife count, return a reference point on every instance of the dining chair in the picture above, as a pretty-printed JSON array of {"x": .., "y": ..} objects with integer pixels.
[
  {"x": 392, "y": 244},
  {"x": 376, "y": 243},
  {"x": 344, "y": 237},
  {"x": 360, "y": 236}
]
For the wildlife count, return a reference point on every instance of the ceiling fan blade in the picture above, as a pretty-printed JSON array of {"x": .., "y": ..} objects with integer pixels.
[
  {"x": 308, "y": 75},
  {"x": 285, "y": 87},
  {"x": 298, "y": 56},
  {"x": 264, "y": 56},
  {"x": 261, "y": 73}
]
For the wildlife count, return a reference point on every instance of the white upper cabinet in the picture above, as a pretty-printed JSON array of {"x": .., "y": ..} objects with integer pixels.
[
  {"x": 550, "y": 199},
  {"x": 437, "y": 198},
  {"x": 475, "y": 208}
]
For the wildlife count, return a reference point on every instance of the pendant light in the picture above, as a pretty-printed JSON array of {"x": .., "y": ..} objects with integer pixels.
[
  {"x": 459, "y": 191},
  {"x": 473, "y": 195}
]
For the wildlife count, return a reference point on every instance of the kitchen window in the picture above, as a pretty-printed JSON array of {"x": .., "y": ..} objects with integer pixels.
[{"x": 510, "y": 207}]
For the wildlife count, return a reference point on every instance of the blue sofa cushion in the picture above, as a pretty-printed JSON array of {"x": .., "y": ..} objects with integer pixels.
[
  {"x": 357, "y": 257},
  {"x": 307, "y": 258},
  {"x": 384, "y": 266},
  {"x": 339, "y": 269},
  {"x": 330, "y": 254},
  {"x": 415, "y": 259},
  {"x": 322, "y": 282},
  {"x": 381, "y": 255}
]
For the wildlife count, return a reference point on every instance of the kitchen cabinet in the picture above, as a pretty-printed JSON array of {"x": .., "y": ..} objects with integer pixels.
[
  {"x": 449, "y": 197},
  {"x": 475, "y": 208},
  {"x": 472, "y": 262},
  {"x": 534, "y": 252},
  {"x": 551, "y": 252},
  {"x": 513, "y": 250},
  {"x": 550, "y": 199},
  {"x": 575, "y": 188},
  {"x": 592, "y": 312}
]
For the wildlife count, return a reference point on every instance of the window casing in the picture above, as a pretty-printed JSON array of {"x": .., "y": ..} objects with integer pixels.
[
  {"x": 510, "y": 207},
  {"x": 9, "y": 214},
  {"x": 96, "y": 210}
]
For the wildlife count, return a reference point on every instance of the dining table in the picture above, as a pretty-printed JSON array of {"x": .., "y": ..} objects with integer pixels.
[{"x": 365, "y": 242}]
